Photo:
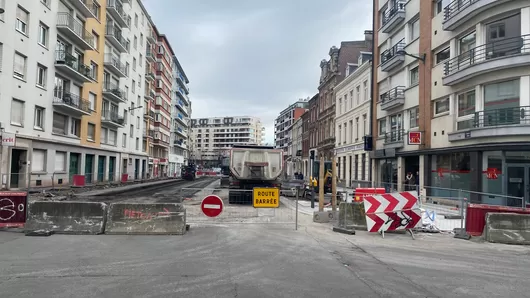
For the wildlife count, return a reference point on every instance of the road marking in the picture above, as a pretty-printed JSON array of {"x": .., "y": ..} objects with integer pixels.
[{"x": 212, "y": 206}]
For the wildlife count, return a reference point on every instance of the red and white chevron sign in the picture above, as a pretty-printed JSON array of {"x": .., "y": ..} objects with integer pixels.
[{"x": 390, "y": 212}]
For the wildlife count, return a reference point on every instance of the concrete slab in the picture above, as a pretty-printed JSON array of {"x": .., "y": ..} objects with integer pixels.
[
  {"x": 120, "y": 189},
  {"x": 146, "y": 219},
  {"x": 66, "y": 217},
  {"x": 507, "y": 228}
]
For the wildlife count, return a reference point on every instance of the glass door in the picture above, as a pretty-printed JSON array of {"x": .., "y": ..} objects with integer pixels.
[{"x": 518, "y": 184}]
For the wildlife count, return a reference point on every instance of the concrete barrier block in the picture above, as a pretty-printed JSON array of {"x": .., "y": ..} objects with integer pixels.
[
  {"x": 67, "y": 217},
  {"x": 508, "y": 228},
  {"x": 146, "y": 219},
  {"x": 352, "y": 215}
]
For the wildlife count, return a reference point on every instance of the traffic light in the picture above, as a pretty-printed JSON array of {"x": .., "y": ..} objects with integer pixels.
[
  {"x": 368, "y": 145},
  {"x": 312, "y": 155}
]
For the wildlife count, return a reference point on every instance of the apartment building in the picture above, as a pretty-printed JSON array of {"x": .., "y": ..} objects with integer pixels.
[
  {"x": 51, "y": 82},
  {"x": 294, "y": 151},
  {"x": 148, "y": 133},
  {"x": 332, "y": 73},
  {"x": 352, "y": 122},
  {"x": 180, "y": 118},
  {"x": 312, "y": 132},
  {"x": 213, "y": 137},
  {"x": 162, "y": 117},
  {"x": 471, "y": 91},
  {"x": 305, "y": 140},
  {"x": 284, "y": 122}
]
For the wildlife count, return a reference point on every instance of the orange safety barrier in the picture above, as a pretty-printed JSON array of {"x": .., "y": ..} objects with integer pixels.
[{"x": 362, "y": 192}]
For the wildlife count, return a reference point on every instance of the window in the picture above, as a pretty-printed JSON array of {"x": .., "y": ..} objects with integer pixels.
[
  {"x": 1, "y": 52},
  {"x": 41, "y": 76},
  {"x": 21, "y": 24},
  {"x": 141, "y": 40},
  {"x": 43, "y": 35},
  {"x": 60, "y": 161},
  {"x": 91, "y": 132},
  {"x": 38, "y": 123},
  {"x": 95, "y": 8},
  {"x": 365, "y": 86},
  {"x": 356, "y": 128},
  {"x": 92, "y": 101},
  {"x": 60, "y": 124},
  {"x": 465, "y": 109},
  {"x": 124, "y": 140},
  {"x": 19, "y": 66},
  {"x": 414, "y": 76},
  {"x": 441, "y": 106},
  {"x": 133, "y": 86},
  {"x": 38, "y": 160},
  {"x": 137, "y": 143},
  {"x": 414, "y": 117},
  {"x": 443, "y": 55},
  {"x": 96, "y": 40},
  {"x": 75, "y": 127},
  {"x": 93, "y": 70},
  {"x": 134, "y": 64},
  {"x": 131, "y": 130},
  {"x": 136, "y": 20},
  {"x": 135, "y": 42},
  {"x": 113, "y": 137},
  {"x": 415, "y": 29},
  {"x": 17, "y": 112},
  {"x": 2, "y": 5},
  {"x": 382, "y": 127},
  {"x": 138, "y": 122},
  {"x": 365, "y": 124},
  {"x": 339, "y": 136},
  {"x": 358, "y": 90},
  {"x": 140, "y": 61}
]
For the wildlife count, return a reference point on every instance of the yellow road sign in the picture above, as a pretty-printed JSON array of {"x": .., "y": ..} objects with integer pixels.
[{"x": 266, "y": 197}]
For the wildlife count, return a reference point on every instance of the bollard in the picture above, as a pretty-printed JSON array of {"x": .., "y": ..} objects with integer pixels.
[
  {"x": 296, "y": 215},
  {"x": 312, "y": 197}
]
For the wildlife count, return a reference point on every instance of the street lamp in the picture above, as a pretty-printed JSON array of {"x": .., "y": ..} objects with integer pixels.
[{"x": 421, "y": 57}]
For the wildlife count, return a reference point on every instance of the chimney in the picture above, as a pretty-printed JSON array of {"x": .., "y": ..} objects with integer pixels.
[{"x": 368, "y": 35}]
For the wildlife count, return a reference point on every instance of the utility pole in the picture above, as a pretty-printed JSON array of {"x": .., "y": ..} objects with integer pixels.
[
  {"x": 321, "y": 183},
  {"x": 333, "y": 184}
]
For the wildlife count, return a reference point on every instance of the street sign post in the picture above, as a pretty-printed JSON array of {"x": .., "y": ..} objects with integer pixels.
[
  {"x": 212, "y": 206},
  {"x": 266, "y": 197}
]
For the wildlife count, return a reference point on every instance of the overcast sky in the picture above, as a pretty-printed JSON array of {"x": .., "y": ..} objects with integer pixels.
[{"x": 255, "y": 57}]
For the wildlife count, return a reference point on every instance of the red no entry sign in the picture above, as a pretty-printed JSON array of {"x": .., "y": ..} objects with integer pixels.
[{"x": 212, "y": 206}]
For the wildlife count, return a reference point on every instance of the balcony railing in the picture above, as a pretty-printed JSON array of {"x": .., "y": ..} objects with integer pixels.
[
  {"x": 72, "y": 100},
  {"x": 65, "y": 19},
  {"x": 393, "y": 11},
  {"x": 150, "y": 55},
  {"x": 393, "y": 98},
  {"x": 497, "y": 49},
  {"x": 114, "y": 32},
  {"x": 115, "y": 90},
  {"x": 456, "y": 6},
  {"x": 114, "y": 61},
  {"x": 115, "y": 8},
  {"x": 113, "y": 116},
  {"x": 394, "y": 136},
  {"x": 502, "y": 117},
  {"x": 62, "y": 57},
  {"x": 392, "y": 52}
]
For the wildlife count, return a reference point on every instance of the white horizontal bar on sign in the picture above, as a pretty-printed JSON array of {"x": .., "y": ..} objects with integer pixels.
[{"x": 212, "y": 206}]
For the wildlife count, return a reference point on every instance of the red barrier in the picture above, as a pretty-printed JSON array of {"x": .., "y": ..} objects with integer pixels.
[
  {"x": 361, "y": 192},
  {"x": 476, "y": 216},
  {"x": 78, "y": 180},
  {"x": 13, "y": 208},
  {"x": 124, "y": 178}
]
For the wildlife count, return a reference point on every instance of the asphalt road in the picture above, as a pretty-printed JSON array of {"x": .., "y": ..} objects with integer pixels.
[{"x": 260, "y": 261}]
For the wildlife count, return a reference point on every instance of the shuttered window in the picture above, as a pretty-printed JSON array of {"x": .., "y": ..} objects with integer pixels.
[
  {"x": 38, "y": 162},
  {"x": 60, "y": 161},
  {"x": 22, "y": 20},
  {"x": 19, "y": 66}
]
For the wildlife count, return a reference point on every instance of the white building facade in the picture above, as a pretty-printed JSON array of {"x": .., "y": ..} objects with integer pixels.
[
  {"x": 352, "y": 122},
  {"x": 294, "y": 164},
  {"x": 213, "y": 137},
  {"x": 181, "y": 120},
  {"x": 67, "y": 120}
]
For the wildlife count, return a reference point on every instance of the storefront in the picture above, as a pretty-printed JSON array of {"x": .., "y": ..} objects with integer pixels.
[
  {"x": 353, "y": 164},
  {"x": 489, "y": 177}
]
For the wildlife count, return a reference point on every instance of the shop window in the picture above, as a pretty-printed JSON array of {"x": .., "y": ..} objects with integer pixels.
[
  {"x": 465, "y": 110},
  {"x": 492, "y": 174},
  {"x": 450, "y": 172}
]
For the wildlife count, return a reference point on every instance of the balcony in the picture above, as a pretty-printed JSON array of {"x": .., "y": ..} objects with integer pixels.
[
  {"x": 149, "y": 133},
  {"x": 182, "y": 108},
  {"x": 149, "y": 115},
  {"x": 148, "y": 94},
  {"x": 68, "y": 65},
  {"x": 460, "y": 11},
  {"x": 180, "y": 119},
  {"x": 85, "y": 7},
  {"x": 149, "y": 73},
  {"x": 113, "y": 64},
  {"x": 393, "y": 98},
  {"x": 182, "y": 80},
  {"x": 181, "y": 93},
  {"x": 70, "y": 104},
  {"x": 112, "y": 92},
  {"x": 112, "y": 119},
  {"x": 75, "y": 31},
  {"x": 180, "y": 131},
  {"x": 114, "y": 36},
  {"x": 150, "y": 55},
  {"x": 151, "y": 37},
  {"x": 488, "y": 58},
  {"x": 179, "y": 143},
  {"x": 115, "y": 9},
  {"x": 394, "y": 139},
  {"x": 393, "y": 17},
  {"x": 493, "y": 123},
  {"x": 126, "y": 1},
  {"x": 393, "y": 57}
]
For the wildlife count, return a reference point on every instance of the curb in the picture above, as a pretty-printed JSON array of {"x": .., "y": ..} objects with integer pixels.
[{"x": 119, "y": 189}]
